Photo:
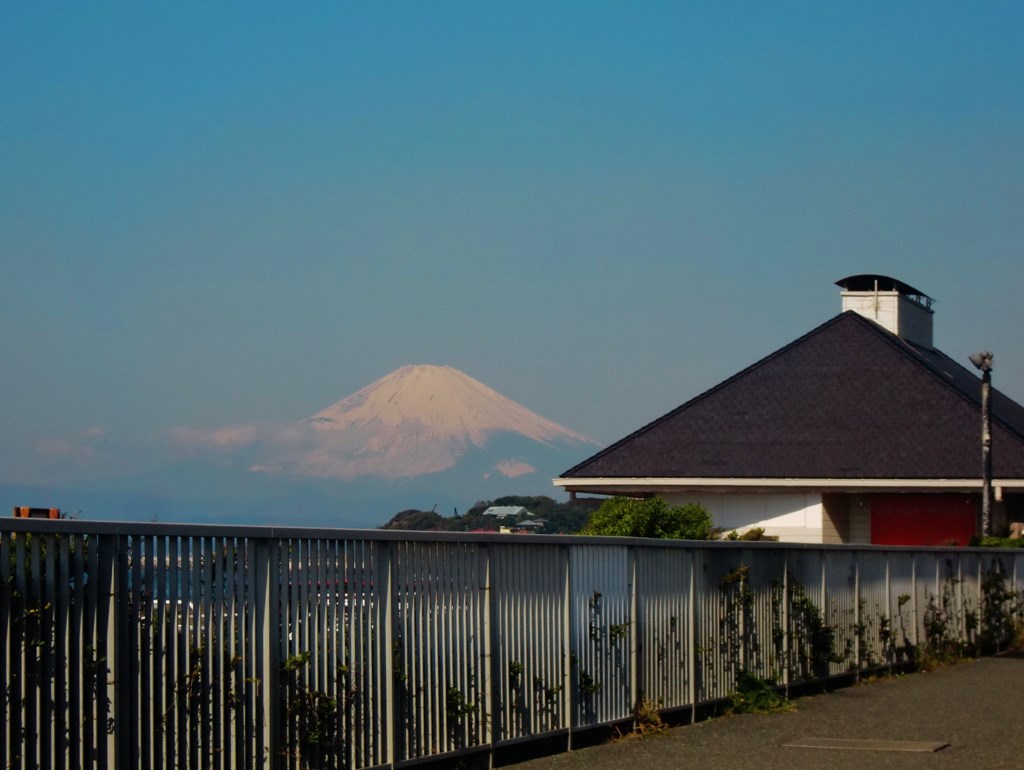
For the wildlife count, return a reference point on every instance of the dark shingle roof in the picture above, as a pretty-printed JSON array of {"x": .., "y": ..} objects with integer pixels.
[{"x": 847, "y": 400}]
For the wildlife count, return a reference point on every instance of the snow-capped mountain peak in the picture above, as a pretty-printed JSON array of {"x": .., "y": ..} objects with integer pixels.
[
  {"x": 420, "y": 420},
  {"x": 443, "y": 402}
]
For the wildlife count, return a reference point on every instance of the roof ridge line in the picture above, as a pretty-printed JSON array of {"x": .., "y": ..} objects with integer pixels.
[
  {"x": 713, "y": 389},
  {"x": 906, "y": 348}
]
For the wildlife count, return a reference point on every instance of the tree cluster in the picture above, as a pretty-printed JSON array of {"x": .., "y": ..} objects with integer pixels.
[{"x": 559, "y": 517}]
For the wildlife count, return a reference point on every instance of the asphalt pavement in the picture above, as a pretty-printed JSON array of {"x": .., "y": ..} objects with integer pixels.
[{"x": 977, "y": 707}]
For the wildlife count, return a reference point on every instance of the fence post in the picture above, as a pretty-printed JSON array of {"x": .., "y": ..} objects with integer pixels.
[
  {"x": 106, "y": 619},
  {"x": 634, "y": 636},
  {"x": 889, "y": 654},
  {"x": 787, "y": 657},
  {"x": 266, "y": 669},
  {"x": 858, "y": 637},
  {"x": 491, "y": 664},
  {"x": 691, "y": 623},
  {"x": 124, "y": 669},
  {"x": 913, "y": 595},
  {"x": 568, "y": 704},
  {"x": 388, "y": 620}
]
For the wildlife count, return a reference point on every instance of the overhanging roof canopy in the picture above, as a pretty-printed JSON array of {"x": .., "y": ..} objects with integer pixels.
[{"x": 871, "y": 282}]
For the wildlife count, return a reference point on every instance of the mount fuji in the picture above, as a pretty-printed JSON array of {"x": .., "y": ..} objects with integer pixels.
[
  {"x": 421, "y": 437},
  {"x": 422, "y": 420}
]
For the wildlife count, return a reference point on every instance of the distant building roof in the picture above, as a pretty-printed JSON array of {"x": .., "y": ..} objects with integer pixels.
[
  {"x": 848, "y": 400},
  {"x": 504, "y": 511}
]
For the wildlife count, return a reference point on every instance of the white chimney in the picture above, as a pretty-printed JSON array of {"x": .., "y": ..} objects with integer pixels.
[{"x": 892, "y": 304}]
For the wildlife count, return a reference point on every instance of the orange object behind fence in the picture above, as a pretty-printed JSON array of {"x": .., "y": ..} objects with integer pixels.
[{"x": 24, "y": 512}]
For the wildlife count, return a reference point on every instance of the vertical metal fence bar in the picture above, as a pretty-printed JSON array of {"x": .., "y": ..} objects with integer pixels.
[
  {"x": 273, "y": 727},
  {"x": 16, "y": 716},
  {"x": 422, "y": 686},
  {"x": 50, "y": 680},
  {"x": 242, "y": 657},
  {"x": 433, "y": 672},
  {"x": 438, "y": 664},
  {"x": 337, "y": 679},
  {"x": 107, "y": 625},
  {"x": 692, "y": 633},
  {"x": 33, "y": 677},
  {"x": 254, "y": 597},
  {"x": 979, "y": 577},
  {"x": 458, "y": 594},
  {"x": 105, "y": 664},
  {"x": 60, "y": 640},
  {"x": 858, "y": 638},
  {"x": 253, "y": 714},
  {"x": 409, "y": 648},
  {"x": 353, "y": 646},
  {"x": 217, "y": 599},
  {"x": 490, "y": 665},
  {"x": 632, "y": 635},
  {"x": 76, "y": 643},
  {"x": 7, "y": 745},
  {"x": 179, "y": 568},
  {"x": 376, "y": 728},
  {"x": 144, "y": 623},
  {"x": 962, "y": 602},
  {"x": 913, "y": 598},
  {"x": 350, "y": 669},
  {"x": 568, "y": 699},
  {"x": 368, "y": 655},
  {"x": 88, "y": 658},
  {"x": 407, "y": 644},
  {"x": 136, "y": 673},
  {"x": 160, "y": 677},
  {"x": 787, "y": 653},
  {"x": 205, "y": 549},
  {"x": 889, "y": 605},
  {"x": 125, "y": 666},
  {"x": 228, "y": 652},
  {"x": 319, "y": 665},
  {"x": 447, "y": 604},
  {"x": 386, "y": 591},
  {"x": 94, "y": 660},
  {"x": 200, "y": 684}
]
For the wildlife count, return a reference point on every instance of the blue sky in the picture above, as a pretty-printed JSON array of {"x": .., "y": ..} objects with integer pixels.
[{"x": 217, "y": 214}]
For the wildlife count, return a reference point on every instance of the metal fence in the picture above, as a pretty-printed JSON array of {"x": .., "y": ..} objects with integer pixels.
[{"x": 167, "y": 646}]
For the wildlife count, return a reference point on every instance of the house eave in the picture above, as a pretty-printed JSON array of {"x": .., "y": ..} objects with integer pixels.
[{"x": 652, "y": 485}]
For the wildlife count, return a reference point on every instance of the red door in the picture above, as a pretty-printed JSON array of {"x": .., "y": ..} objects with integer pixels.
[{"x": 923, "y": 519}]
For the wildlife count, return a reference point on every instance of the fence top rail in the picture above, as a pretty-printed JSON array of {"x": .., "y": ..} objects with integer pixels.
[{"x": 167, "y": 529}]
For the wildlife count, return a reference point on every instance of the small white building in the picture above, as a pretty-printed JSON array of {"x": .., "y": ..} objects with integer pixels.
[{"x": 506, "y": 511}]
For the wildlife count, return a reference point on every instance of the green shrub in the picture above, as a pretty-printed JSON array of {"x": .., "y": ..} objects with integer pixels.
[
  {"x": 649, "y": 517},
  {"x": 1001, "y": 542},
  {"x": 754, "y": 695}
]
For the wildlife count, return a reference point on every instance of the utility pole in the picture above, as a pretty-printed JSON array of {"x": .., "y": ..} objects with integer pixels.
[{"x": 983, "y": 361}]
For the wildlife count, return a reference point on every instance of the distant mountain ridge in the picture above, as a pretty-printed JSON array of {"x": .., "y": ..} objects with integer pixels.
[{"x": 424, "y": 437}]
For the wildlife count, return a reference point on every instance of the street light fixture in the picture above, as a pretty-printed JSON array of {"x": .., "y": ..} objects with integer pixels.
[{"x": 983, "y": 361}]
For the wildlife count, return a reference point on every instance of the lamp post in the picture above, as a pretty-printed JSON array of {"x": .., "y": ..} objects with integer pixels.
[{"x": 983, "y": 361}]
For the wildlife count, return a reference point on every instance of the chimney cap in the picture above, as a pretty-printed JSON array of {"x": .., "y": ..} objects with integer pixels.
[{"x": 870, "y": 282}]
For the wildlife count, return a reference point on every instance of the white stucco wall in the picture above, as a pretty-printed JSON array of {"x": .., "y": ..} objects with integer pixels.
[{"x": 793, "y": 517}]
